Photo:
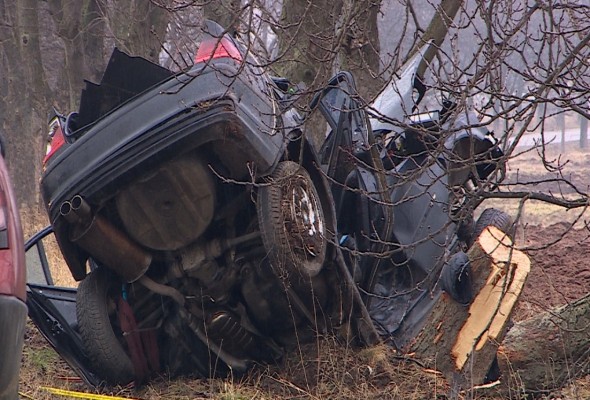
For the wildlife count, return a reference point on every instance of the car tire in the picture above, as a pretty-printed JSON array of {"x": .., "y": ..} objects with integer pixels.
[
  {"x": 496, "y": 218},
  {"x": 292, "y": 223},
  {"x": 456, "y": 278},
  {"x": 96, "y": 313}
]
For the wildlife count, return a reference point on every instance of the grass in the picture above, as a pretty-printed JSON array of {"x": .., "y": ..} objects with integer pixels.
[{"x": 326, "y": 369}]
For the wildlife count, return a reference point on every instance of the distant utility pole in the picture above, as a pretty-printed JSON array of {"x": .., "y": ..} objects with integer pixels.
[
  {"x": 583, "y": 132},
  {"x": 561, "y": 123}
]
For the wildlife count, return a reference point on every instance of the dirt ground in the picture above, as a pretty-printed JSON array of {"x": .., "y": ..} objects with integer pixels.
[
  {"x": 556, "y": 239},
  {"x": 560, "y": 272}
]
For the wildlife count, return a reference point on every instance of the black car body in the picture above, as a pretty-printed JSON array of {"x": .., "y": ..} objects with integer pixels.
[
  {"x": 190, "y": 208},
  {"x": 231, "y": 117},
  {"x": 405, "y": 188}
]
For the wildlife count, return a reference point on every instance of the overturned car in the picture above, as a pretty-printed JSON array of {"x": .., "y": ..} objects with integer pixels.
[{"x": 208, "y": 234}]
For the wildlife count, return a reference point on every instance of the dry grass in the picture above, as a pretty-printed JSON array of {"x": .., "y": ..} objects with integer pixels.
[{"x": 326, "y": 369}]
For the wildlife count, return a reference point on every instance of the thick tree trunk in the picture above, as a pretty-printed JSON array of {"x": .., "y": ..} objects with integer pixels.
[
  {"x": 546, "y": 351},
  {"x": 81, "y": 28},
  {"x": 308, "y": 43},
  {"x": 462, "y": 341},
  {"x": 139, "y": 27},
  {"x": 359, "y": 53},
  {"x": 319, "y": 37},
  {"x": 224, "y": 12},
  {"x": 24, "y": 95}
]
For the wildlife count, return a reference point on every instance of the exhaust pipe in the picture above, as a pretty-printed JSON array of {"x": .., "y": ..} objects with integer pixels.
[{"x": 103, "y": 241}]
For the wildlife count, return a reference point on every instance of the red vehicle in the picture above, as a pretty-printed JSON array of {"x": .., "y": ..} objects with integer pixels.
[{"x": 13, "y": 310}]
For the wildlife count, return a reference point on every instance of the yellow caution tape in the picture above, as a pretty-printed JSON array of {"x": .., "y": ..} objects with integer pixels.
[{"x": 82, "y": 395}]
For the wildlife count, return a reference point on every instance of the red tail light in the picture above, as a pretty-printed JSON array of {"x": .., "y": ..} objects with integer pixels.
[
  {"x": 56, "y": 139},
  {"x": 213, "y": 48}
]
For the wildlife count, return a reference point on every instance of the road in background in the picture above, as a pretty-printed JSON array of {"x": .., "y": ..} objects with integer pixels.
[{"x": 549, "y": 137}]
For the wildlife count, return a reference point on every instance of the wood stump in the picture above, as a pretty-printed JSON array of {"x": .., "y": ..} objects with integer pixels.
[{"x": 462, "y": 341}]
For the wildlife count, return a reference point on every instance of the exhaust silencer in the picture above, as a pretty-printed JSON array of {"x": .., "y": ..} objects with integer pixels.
[{"x": 104, "y": 242}]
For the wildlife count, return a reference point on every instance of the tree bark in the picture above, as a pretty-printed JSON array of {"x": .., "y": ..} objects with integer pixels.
[
  {"x": 461, "y": 341},
  {"x": 437, "y": 31},
  {"x": 548, "y": 350},
  {"x": 360, "y": 48},
  {"x": 224, "y": 12},
  {"x": 139, "y": 27},
  {"x": 308, "y": 43},
  {"x": 23, "y": 104},
  {"x": 81, "y": 28}
]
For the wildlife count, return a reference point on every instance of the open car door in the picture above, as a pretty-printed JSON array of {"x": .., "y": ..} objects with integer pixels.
[
  {"x": 53, "y": 308},
  {"x": 351, "y": 159}
]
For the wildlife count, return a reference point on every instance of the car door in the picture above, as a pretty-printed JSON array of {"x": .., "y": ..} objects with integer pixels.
[
  {"x": 350, "y": 157},
  {"x": 52, "y": 308}
]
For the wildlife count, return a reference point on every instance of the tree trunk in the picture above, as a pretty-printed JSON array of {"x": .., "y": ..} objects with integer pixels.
[
  {"x": 307, "y": 40},
  {"x": 139, "y": 27},
  {"x": 224, "y": 12},
  {"x": 360, "y": 47},
  {"x": 317, "y": 38},
  {"x": 546, "y": 351},
  {"x": 461, "y": 341},
  {"x": 81, "y": 28},
  {"x": 24, "y": 96},
  {"x": 437, "y": 30}
]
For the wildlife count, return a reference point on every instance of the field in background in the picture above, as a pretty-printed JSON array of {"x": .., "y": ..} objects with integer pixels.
[{"x": 526, "y": 172}]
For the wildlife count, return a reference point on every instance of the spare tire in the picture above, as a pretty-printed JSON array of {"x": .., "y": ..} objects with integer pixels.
[
  {"x": 292, "y": 222},
  {"x": 456, "y": 278},
  {"x": 98, "y": 323}
]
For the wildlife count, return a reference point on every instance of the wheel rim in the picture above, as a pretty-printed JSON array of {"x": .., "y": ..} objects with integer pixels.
[
  {"x": 303, "y": 219},
  {"x": 292, "y": 224}
]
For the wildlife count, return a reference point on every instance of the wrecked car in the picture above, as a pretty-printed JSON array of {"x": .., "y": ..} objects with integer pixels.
[
  {"x": 189, "y": 207},
  {"x": 405, "y": 188},
  {"x": 208, "y": 234}
]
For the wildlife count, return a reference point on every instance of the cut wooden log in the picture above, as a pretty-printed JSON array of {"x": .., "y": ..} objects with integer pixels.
[
  {"x": 546, "y": 351},
  {"x": 462, "y": 341}
]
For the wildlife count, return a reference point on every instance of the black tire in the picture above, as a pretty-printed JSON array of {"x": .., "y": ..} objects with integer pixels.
[
  {"x": 96, "y": 313},
  {"x": 496, "y": 218},
  {"x": 292, "y": 222},
  {"x": 456, "y": 278}
]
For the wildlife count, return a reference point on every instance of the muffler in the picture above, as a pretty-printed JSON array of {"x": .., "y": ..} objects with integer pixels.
[{"x": 103, "y": 241}]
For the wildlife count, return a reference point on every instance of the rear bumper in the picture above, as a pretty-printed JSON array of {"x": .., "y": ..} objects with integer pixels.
[
  {"x": 181, "y": 114},
  {"x": 13, "y": 314}
]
